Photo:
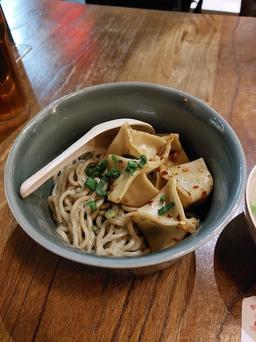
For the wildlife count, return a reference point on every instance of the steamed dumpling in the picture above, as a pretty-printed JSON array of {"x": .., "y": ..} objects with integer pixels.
[
  {"x": 163, "y": 230},
  {"x": 194, "y": 181},
  {"x": 157, "y": 180},
  {"x": 135, "y": 143},
  {"x": 177, "y": 154},
  {"x": 122, "y": 183},
  {"x": 140, "y": 191},
  {"x": 132, "y": 189}
]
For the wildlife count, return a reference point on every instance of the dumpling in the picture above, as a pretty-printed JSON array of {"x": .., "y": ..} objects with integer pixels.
[
  {"x": 194, "y": 181},
  {"x": 163, "y": 223},
  {"x": 140, "y": 192},
  {"x": 120, "y": 186},
  {"x": 132, "y": 142},
  {"x": 157, "y": 180},
  {"x": 132, "y": 188},
  {"x": 177, "y": 154}
]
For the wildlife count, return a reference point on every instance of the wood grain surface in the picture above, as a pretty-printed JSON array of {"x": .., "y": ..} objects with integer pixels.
[{"x": 65, "y": 46}]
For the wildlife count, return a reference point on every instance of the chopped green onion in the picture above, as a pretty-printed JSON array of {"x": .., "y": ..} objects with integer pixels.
[
  {"x": 96, "y": 170},
  {"x": 110, "y": 213},
  {"x": 92, "y": 205},
  {"x": 143, "y": 161},
  {"x": 114, "y": 158},
  {"x": 113, "y": 173},
  {"x": 102, "y": 186},
  {"x": 92, "y": 171},
  {"x": 253, "y": 208},
  {"x": 131, "y": 166},
  {"x": 91, "y": 183},
  {"x": 162, "y": 198},
  {"x": 103, "y": 165},
  {"x": 165, "y": 208}
]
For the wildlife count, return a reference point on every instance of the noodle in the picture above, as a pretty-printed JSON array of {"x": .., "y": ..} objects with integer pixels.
[
  {"x": 89, "y": 230},
  {"x": 131, "y": 199}
]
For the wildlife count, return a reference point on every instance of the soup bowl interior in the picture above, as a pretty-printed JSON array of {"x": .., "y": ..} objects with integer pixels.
[{"x": 203, "y": 133}]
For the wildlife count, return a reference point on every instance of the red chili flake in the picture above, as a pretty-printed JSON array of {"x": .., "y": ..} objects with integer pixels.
[
  {"x": 204, "y": 194},
  {"x": 178, "y": 217},
  {"x": 195, "y": 186},
  {"x": 170, "y": 216},
  {"x": 163, "y": 173}
]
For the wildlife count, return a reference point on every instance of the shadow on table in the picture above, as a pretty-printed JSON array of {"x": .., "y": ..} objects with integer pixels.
[
  {"x": 42, "y": 294},
  {"x": 234, "y": 264}
]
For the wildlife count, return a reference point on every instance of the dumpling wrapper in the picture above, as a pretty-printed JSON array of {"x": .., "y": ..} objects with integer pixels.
[
  {"x": 177, "y": 154},
  {"x": 135, "y": 143},
  {"x": 157, "y": 180},
  {"x": 166, "y": 230},
  {"x": 140, "y": 192},
  {"x": 194, "y": 181},
  {"x": 132, "y": 189},
  {"x": 122, "y": 183}
]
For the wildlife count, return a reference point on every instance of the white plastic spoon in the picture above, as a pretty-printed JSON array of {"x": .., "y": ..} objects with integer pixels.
[{"x": 96, "y": 139}]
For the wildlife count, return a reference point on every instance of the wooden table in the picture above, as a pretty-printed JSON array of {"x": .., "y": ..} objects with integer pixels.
[{"x": 66, "y": 46}]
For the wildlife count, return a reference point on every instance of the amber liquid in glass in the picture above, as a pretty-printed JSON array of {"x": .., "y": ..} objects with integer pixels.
[{"x": 13, "y": 105}]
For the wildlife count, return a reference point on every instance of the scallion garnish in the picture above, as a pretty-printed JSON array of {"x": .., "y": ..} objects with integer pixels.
[
  {"x": 131, "y": 166},
  {"x": 96, "y": 170},
  {"x": 165, "y": 208},
  {"x": 113, "y": 173},
  {"x": 92, "y": 205},
  {"x": 103, "y": 165},
  {"x": 91, "y": 183},
  {"x": 102, "y": 187},
  {"x": 143, "y": 161},
  {"x": 92, "y": 171},
  {"x": 114, "y": 158},
  {"x": 162, "y": 198}
]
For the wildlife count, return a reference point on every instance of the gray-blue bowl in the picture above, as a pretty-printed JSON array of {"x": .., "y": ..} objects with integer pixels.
[{"x": 204, "y": 133}]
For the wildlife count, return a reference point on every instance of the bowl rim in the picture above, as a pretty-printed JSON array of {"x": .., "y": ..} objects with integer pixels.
[
  {"x": 152, "y": 259},
  {"x": 247, "y": 199}
]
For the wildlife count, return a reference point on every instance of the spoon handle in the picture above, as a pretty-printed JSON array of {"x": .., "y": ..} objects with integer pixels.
[{"x": 81, "y": 146}]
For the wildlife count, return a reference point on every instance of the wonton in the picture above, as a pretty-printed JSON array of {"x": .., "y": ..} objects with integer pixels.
[{"x": 131, "y": 199}]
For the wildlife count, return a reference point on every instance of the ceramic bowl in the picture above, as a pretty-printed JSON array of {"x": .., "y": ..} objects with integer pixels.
[
  {"x": 203, "y": 132},
  {"x": 250, "y": 202}
]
